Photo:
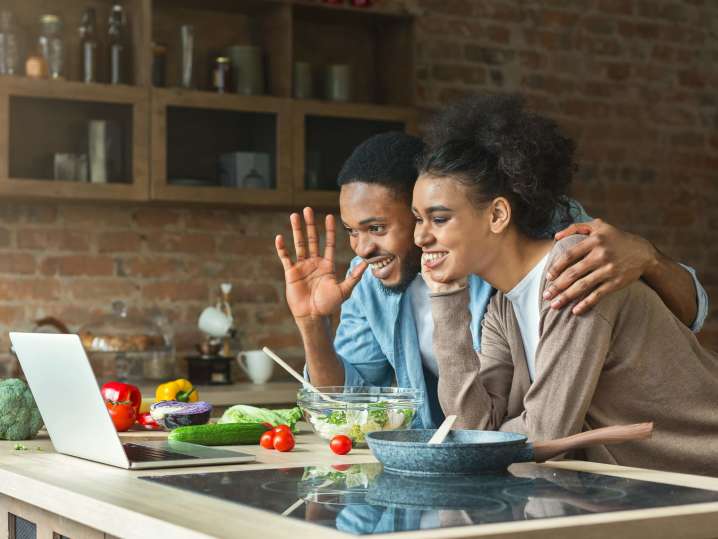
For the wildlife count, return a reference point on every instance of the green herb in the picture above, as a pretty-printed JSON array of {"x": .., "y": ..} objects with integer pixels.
[
  {"x": 378, "y": 413},
  {"x": 408, "y": 416},
  {"x": 356, "y": 434},
  {"x": 20, "y": 447},
  {"x": 337, "y": 417}
]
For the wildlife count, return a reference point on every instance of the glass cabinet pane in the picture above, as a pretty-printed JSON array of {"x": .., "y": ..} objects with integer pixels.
[
  {"x": 221, "y": 148},
  {"x": 330, "y": 140},
  {"x": 63, "y": 139}
]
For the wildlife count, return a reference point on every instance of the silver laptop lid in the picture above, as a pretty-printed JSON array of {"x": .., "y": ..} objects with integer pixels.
[{"x": 64, "y": 386}]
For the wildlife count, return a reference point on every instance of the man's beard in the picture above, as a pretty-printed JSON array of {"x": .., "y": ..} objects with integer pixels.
[{"x": 409, "y": 269}]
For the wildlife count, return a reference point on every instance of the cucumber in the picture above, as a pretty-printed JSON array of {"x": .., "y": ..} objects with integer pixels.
[{"x": 220, "y": 434}]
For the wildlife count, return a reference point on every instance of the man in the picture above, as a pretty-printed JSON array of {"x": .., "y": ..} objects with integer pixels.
[{"x": 385, "y": 331}]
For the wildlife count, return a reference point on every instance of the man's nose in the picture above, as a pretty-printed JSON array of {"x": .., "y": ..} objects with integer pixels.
[{"x": 365, "y": 246}]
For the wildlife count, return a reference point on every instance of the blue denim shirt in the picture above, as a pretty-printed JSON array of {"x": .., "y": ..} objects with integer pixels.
[{"x": 378, "y": 343}]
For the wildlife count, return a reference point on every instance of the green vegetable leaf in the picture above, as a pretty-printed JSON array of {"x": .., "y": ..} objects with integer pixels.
[
  {"x": 378, "y": 413},
  {"x": 408, "y": 416},
  {"x": 243, "y": 413},
  {"x": 338, "y": 417},
  {"x": 20, "y": 447}
]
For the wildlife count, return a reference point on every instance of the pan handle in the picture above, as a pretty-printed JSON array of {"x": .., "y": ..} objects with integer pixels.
[{"x": 604, "y": 436}]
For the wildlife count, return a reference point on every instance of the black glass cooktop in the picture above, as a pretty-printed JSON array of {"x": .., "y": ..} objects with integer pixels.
[{"x": 362, "y": 499}]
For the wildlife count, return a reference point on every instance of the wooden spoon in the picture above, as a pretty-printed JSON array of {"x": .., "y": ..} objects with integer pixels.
[{"x": 443, "y": 430}]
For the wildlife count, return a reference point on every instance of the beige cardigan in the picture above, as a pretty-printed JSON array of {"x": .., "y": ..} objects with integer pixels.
[{"x": 628, "y": 360}]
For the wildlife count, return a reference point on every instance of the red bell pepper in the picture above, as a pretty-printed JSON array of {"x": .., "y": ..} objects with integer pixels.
[
  {"x": 147, "y": 421},
  {"x": 120, "y": 392}
]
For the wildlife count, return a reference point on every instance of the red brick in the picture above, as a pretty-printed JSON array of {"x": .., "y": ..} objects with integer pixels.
[
  {"x": 213, "y": 220},
  {"x": 459, "y": 73},
  {"x": 618, "y": 72},
  {"x": 692, "y": 78},
  {"x": 153, "y": 266},
  {"x": 178, "y": 242},
  {"x": 234, "y": 245},
  {"x": 598, "y": 24},
  {"x": 688, "y": 138},
  {"x": 254, "y": 293},
  {"x": 17, "y": 263},
  {"x": 175, "y": 291},
  {"x": 36, "y": 289},
  {"x": 548, "y": 17},
  {"x": 532, "y": 59},
  {"x": 49, "y": 239},
  {"x": 75, "y": 265},
  {"x": 10, "y": 212},
  {"x": 617, "y": 7},
  {"x": 5, "y": 237},
  {"x": 41, "y": 214},
  {"x": 156, "y": 218},
  {"x": 639, "y": 30},
  {"x": 101, "y": 292},
  {"x": 119, "y": 242},
  {"x": 11, "y": 315},
  {"x": 86, "y": 215},
  {"x": 499, "y": 34}
]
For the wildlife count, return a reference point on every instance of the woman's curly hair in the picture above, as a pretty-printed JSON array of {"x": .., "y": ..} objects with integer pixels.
[{"x": 498, "y": 148}]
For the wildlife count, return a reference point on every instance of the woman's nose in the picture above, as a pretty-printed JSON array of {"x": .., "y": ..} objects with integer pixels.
[{"x": 421, "y": 236}]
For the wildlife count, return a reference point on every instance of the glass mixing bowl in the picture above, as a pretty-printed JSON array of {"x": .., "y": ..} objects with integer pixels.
[{"x": 355, "y": 411}]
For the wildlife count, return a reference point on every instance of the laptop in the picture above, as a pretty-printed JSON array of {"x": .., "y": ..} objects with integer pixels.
[{"x": 65, "y": 389}]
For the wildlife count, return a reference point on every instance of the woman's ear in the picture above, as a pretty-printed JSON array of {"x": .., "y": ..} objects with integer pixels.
[{"x": 500, "y": 215}]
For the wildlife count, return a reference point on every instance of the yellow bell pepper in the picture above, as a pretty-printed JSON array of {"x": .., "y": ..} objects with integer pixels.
[{"x": 178, "y": 390}]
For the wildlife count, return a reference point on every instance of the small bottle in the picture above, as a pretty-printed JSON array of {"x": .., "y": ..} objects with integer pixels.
[
  {"x": 117, "y": 46},
  {"x": 9, "y": 47},
  {"x": 88, "y": 46},
  {"x": 221, "y": 74},
  {"x": 50, "y": 44}
]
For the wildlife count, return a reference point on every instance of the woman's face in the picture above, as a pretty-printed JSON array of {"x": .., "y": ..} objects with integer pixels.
[{"x": 454, "y": 235}]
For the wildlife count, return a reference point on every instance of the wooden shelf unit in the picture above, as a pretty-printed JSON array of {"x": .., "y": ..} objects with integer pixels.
[{"x": 286, "y": 30}]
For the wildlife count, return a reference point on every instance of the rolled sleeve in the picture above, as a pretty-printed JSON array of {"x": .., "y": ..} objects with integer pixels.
[{"x": 701, "y": 298}]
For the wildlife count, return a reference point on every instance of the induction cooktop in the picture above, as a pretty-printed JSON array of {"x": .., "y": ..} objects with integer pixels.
[{"x": 363, "y": 499}]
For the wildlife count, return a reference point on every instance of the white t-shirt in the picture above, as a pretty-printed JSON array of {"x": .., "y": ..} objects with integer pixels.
[
  {"x": 421, "y": 307},
  {"x": 524, "y": 298}
]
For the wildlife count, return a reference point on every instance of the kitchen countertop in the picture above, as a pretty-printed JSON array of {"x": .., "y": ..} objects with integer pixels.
[{"x": 117, "y": 502}]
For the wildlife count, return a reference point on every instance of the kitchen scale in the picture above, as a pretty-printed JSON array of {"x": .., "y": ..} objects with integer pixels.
[{"x": 363, "y": 499}]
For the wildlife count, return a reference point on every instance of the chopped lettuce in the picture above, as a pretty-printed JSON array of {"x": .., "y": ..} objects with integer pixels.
[
  {"x": 378, "y": 413},
  {"x": 357, "y": 423},
  {"x": 243, "y": 413}
]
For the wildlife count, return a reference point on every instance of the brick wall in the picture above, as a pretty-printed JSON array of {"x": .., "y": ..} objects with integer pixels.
[
  {"x": 72, "y": 262},
  {"x": 632, "y": 80}
]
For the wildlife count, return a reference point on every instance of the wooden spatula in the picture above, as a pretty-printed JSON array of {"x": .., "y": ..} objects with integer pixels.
[{"x": 443, "y": 430}]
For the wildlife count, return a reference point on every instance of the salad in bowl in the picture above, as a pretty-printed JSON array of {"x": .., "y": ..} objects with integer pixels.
[{"x": 355, "y": 411}]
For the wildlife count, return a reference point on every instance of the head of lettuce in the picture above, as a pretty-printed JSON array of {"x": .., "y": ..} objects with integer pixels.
[
  {"x": 19, "y": 417},
  {"x": 243, "y": 413}
]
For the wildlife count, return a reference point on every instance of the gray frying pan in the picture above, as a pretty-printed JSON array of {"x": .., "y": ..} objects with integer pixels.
[{"x": 467, "y": 452}]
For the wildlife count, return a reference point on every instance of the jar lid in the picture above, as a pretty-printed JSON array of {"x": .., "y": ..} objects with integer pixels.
[
  {"x": 120, "y": 332},
  {"x": 222, "y": 60}
]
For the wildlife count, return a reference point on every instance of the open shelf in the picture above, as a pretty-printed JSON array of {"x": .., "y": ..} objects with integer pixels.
[{"x": 44, "y": 118}]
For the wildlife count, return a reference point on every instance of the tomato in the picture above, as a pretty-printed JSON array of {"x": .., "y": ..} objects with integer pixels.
[
  {"x": 341, "y": 467},
  {"x": 282, "y": 428},
  {"x": 341, "y": 444},
  {"x": 283, "y": 441},
  {"x": 122, "y": 413},
  {"x": 267, "y": 440}
]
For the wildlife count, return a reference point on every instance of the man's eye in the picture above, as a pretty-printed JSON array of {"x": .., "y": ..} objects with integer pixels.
[
  {"x": 377, "y": 228},
  {"x": 351, "y": 232}
]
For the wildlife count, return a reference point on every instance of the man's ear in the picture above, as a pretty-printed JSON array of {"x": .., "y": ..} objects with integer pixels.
[{"x": 499, "y": 215}]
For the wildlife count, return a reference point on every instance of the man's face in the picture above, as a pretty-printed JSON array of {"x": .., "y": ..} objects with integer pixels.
[{"x": 381, "y": 231}]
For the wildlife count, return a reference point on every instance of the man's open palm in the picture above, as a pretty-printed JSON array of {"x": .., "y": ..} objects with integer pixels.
[{"x": 312, "y": 286}]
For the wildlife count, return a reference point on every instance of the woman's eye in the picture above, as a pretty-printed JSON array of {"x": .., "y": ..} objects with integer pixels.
[
  {"x": 439, "y": 220},
  {"x": 419, "y": 220}
]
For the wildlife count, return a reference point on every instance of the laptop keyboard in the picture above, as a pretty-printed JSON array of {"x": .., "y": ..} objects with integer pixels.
[{"x": 143, "y": 453}]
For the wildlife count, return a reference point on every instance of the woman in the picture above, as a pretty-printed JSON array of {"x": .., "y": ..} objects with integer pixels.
[{"x": 492, "y": 179}]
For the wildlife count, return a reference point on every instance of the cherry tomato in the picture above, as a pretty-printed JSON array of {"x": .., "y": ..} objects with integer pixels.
[
  {"x": 282, "y": 428},
  {"x": 267, "y": 440},
  {"x": 341, "y": 467},
  {"x": 122, "y": 414},
  {"x": 283, "y": 441},
  {"x": 341, "y": 444}
]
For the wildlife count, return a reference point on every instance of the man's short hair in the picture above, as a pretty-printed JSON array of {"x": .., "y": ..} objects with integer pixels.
[{"x": 387, "y": 159}]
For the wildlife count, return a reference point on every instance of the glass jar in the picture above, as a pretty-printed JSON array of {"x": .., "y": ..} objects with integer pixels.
[
  {"x": 9, "y": 44},
  {"x": 128, "y": 348},
  {"x": 50, "y": 45}
]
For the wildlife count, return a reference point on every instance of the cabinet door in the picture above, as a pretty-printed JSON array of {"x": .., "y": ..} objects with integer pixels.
[
  {"x": 71, "y": 140},
  {"x": 325, "y": 136},
  {"x": 220, "y": 148}
]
